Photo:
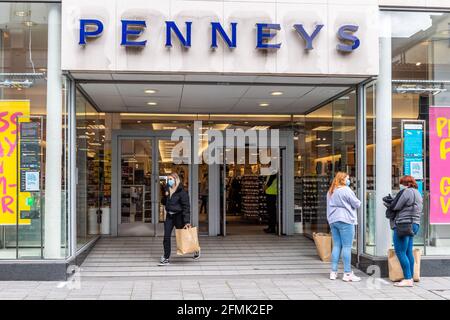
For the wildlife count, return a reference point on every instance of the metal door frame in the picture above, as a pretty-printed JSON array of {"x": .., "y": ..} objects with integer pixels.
[
  {"x": 286, "y": 182},
  {"x": 154, "y": 136}
]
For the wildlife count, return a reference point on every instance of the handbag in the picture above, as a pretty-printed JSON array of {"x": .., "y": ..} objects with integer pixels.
[{"x": 405, "y": 229}]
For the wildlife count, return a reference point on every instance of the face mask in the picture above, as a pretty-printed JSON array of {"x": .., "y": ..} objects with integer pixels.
[
  {"x": 347, "y": 182},
  {"x": 402, "y": 187},
  {"x": 171, "y": 183}
]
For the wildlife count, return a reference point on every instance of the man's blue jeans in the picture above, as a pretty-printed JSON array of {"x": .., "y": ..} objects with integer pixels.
[
  {"x": 404, "y": 251},
  {"x": 343, "y": 234}
]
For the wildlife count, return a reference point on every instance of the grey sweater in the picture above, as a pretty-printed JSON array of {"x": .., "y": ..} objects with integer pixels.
[{"x": 409, "y": 207}]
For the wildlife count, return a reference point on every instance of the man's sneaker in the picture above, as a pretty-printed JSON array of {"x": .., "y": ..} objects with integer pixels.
[
  {"x": 196, "y": 255},
  {"x": 333, "y": 275},
  {"x": 350, "y": 277},
  {"x": 163, "y": 262}
]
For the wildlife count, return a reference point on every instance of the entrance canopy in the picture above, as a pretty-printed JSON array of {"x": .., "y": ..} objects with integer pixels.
[{"x": 212, "y": 94}]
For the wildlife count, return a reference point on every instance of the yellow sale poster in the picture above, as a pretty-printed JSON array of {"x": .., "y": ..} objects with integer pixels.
[{"x": 10, "y": 110}]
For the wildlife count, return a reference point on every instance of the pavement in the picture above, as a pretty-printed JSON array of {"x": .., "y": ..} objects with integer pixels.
[
  {"x": 231, "y": 268},
  {"x": 219, "y": 288}
]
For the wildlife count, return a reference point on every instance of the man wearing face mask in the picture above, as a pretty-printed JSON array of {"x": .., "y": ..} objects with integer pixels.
[{"x": 178, "y": 214}]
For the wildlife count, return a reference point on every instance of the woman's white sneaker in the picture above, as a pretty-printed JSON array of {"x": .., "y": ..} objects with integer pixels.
[
  {"x": 333, "y": 275},
  {"x": 404, "y": 283},
  {"x": 350, "y": 277}
]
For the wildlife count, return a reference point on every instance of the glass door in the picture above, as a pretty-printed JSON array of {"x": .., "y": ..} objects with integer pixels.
[
  {"x": 164, "y": 166},
  {"x": 136, "y": 167}
]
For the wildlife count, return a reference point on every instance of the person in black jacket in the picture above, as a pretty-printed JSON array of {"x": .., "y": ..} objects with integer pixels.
[{"x": 178, "y": 213}]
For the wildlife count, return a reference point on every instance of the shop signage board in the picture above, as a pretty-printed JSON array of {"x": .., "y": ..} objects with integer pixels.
[
  {"x": 257, "y": 37},
  {"x": 440, "y": 165},
  {"x": 414, "y": 151},
  {"x": 10, "y": 199},
  {"x": 30, "y": 151}
]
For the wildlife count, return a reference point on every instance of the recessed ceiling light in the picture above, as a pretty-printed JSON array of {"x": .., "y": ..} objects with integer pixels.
[
  {"x": 264, "y": 104},
  {"x": 21, "y": 13},
  {"x": 150, "y": 91},
  {"x": 277, "y": 93},
  {"x": 151, "y": 103},
  {"x": 418, "y": 63}
]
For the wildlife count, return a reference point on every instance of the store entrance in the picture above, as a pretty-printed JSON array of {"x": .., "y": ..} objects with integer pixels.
[
  {"x": 250, "y": 195},
  {"x": 143, "y": 164}
]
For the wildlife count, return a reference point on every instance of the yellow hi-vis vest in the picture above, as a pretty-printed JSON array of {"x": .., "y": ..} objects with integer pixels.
[{"x": 273, "y": 188}]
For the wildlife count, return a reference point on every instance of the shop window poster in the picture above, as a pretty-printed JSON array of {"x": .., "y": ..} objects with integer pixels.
[
  {"x": 439, "y": 165},
  {"x": 10, "y": 201}
]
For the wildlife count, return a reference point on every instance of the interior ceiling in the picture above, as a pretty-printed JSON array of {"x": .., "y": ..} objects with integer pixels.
[{"x": 204, "y": 94}]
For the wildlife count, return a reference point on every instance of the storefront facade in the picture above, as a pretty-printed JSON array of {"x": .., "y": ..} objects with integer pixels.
[{"x": 92, "y": 94}]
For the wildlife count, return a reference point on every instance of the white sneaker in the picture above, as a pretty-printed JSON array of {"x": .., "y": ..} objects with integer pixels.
[
  {"x": 350, "y": 277},
  {"x": 404, "y": 283},
  {"x": 333, "y": 275}
]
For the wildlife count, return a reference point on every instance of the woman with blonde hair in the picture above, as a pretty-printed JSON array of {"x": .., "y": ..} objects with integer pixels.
[
  {"x": 178, "y": 213},
  {"x": 342, "y": 204}
]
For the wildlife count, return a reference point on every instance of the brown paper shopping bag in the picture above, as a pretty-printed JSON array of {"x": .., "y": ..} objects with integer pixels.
[
  {"x": 395, "y": 269},
  {"x": 187, "y": 241},
  {"x": 324, "y": 244}
]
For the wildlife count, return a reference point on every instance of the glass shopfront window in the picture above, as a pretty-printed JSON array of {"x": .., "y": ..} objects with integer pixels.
[
  {"x": 325, "y": 143},
  {"x": 421, "y": 88},
  {"x": 370, "y": 210},
  {"x": 23, "y": 91},
  {"x": 94, "y": 173}
]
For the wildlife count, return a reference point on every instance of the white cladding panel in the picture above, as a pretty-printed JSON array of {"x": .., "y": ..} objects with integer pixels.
[{"x": 106, "y": 53}]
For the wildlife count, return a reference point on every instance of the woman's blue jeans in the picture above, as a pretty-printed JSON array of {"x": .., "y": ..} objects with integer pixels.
[
  {"x": 404, "y": 250},
  {"x": 343, "y": 234}
]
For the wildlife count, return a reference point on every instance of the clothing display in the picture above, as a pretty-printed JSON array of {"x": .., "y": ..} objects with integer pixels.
[
  {"x": 311, "y": 191},
  {"x": 253, "y": 197}
]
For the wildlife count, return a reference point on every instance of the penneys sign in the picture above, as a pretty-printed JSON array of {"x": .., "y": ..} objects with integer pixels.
[
  {"x": 133, "y": 29},
  {"x": 247, "y": 37}
]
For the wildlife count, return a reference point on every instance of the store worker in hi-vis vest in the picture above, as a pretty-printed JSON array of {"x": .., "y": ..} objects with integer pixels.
[{"x": 271, "y": 190}]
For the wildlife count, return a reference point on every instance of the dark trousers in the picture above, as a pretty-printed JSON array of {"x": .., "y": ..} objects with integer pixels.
[
  {"x": 172, "y": 221},
  {"x": 272, "y": 211},
  {"x": 204, "y": 205}
]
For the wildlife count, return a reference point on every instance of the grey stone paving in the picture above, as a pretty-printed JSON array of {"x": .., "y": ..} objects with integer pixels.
[
  {"x": 267, "y": 288},
  {"x": 251, "y": 267}
]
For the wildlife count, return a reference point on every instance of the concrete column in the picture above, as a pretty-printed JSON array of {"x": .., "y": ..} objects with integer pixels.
[
  {"x": 53, "y": 161},
  {"x": 383, "y": 178}
]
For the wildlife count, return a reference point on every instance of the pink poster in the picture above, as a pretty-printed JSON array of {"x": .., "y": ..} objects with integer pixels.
[{"x": 440, "y": 165}]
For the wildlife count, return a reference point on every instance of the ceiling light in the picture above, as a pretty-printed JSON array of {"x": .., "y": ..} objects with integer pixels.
[
  {"x": 264, "y": 104},
  {"x": 322, "y": 128},
  {"x": 418, "y": 64},
  {"x": 16, "y": 84},
  {"x": 276, "y": 93},
  {"x": 151, "y": 91},
  {"x": 151, "y": 103},
  {"x": 22, "y": 13},
  {"x": 139, "y": 121}
]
